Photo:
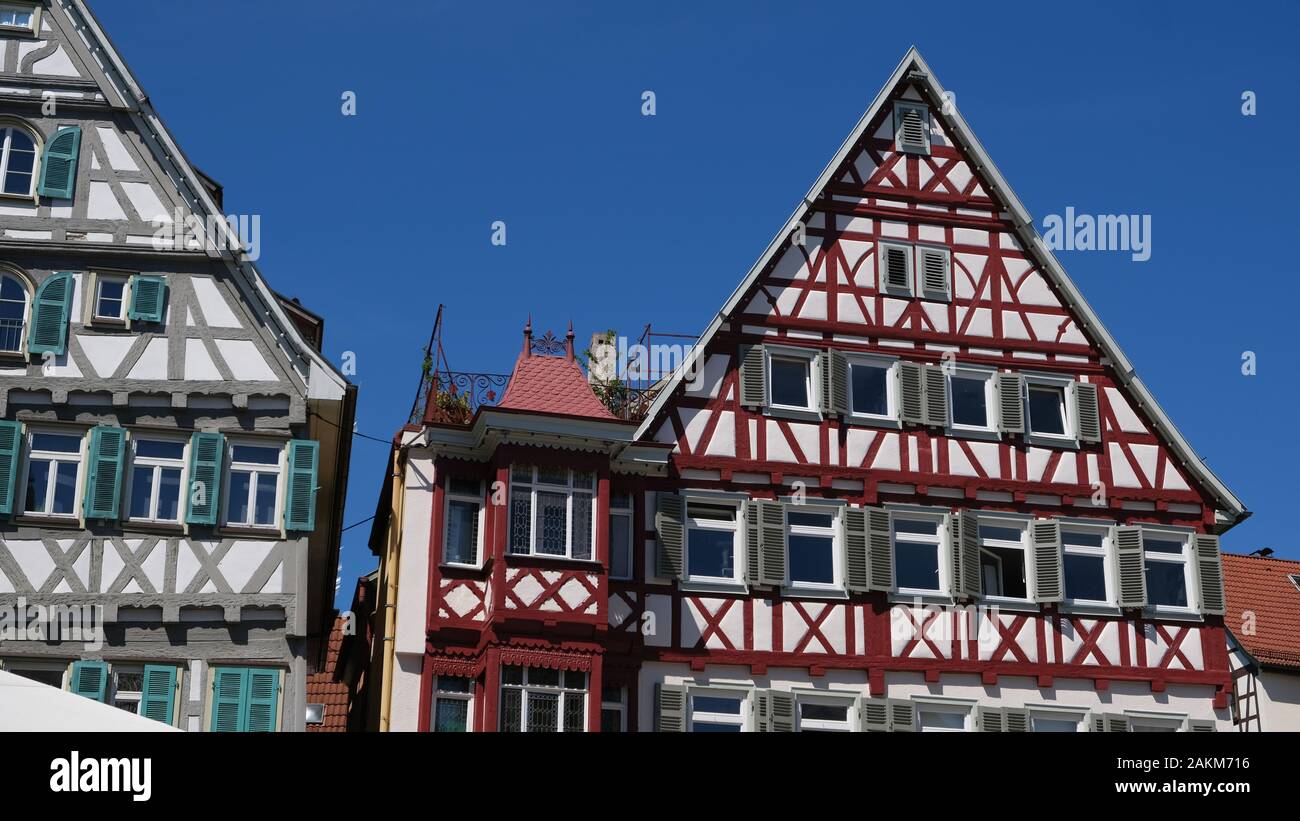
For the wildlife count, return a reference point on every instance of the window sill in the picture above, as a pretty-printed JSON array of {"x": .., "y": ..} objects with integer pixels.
[
  {"x": 12, "y": 358},
  {"x": 1090, "y": 609},
  {"x": 689, "y": 586},
  {"x": 250, "y": 530},
  {"x": 32, "y": 198},
  {"x": 43, "y": 520},
  {"x": 544, "y": 559},
  {"x": 1172, "y": 613},
  {"x": 464, "y": 568},
  {"x": 1005, "y": 603},
  {"x": 1047, "y": 440},
  {"x": 800, "y": 414},
  {"x": 984, "y": 434},
  {"x": 922, "y": 597},
  {"x": 155, "y": 527},
  {"x": 797, "y": 592},
  {"x": 100, "y": 323},
  {"x": 874, "y": 421}
]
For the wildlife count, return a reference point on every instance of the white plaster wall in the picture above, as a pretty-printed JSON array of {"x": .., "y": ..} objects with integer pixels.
[
  {"x": 1279, "y": 701},
  {"x": 413, "y": 565},
  {"x": 405, "y": 710}
]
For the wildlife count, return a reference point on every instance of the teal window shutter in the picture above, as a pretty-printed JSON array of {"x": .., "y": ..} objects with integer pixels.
[
  {"x": 159, "y": 694},
  {"x": 263, "y": 695},
  {"x": 90, "y": 679},
  {"x": 300, "y": 502},
  {"x": 148, "y": 295},
  {"x": 50, "y": 312},
  {"x": 104, "y": 476},
  {"x": 229, "y": 695},
  {"x": 11, "y": 445},
  {"x": 59, "y": 164},
  {"x": 207, "y": 450}
]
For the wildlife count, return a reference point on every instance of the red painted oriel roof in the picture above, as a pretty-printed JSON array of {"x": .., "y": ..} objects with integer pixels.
[
  {"x": 1261, "y": 585},
  {"x": 552, "y": 384},
  {"x": 323, "y": 689}
]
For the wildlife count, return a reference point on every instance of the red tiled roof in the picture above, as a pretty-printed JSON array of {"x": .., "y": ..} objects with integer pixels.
[
  {"x": 323, "y": 689},
  {"x": 1260, "y": 585},
  {"x": 552, "y": 384}
]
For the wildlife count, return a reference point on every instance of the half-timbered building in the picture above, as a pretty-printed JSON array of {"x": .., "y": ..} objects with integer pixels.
[
  {"x": 171, "y": 437},
  {"x": 906, "y": 480}
]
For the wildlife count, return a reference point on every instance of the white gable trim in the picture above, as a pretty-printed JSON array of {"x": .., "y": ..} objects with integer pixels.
[{"x": 955, "y": 125}]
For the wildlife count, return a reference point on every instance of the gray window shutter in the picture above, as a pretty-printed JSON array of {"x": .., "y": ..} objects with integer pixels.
[
  {"x": 762, "y": 711},
  {"x": 895, "y": 267},
  {"x": 1016, "y": 719},
  {"x": 753, "y": 377},
  {"x": 1049, "y": 583},
  {"x": 1130, "y": 566},
  {"x": 990, "y": 719},
  {"x": 873, "y": 715},
  {"x": 835, "y": 383},
  {"x": 1011, "y": 404},
  {"x": 911, "y": 128},
  {"x": 911, "y": 393},
  {"x": 880, "y": 549},
  {"x": 1210, "y": 569},
  {"x": 935, "y": 266},
  {"x": 670, "y": 524},
  {"x": 966, "y": 581},
  {"x": 782, "y": 716},
  {"x": 772, "y": 543},
  {"x": 1086, "y": 412},
  {"x": 753, "y": 547},
  {"x": 1116, "y": 723},
  {"x": 902, "y": 716},
  {"x": 670, "y": 708},
  {"x": 1097, "y": 723},
  {"x": 936, "y": 396},
  {"x": 1201, "y": 725},
  {"x": 857, "y": 561}
]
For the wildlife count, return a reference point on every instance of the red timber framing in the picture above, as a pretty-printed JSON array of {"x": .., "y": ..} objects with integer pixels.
[{"x": 1008, "y": 309}]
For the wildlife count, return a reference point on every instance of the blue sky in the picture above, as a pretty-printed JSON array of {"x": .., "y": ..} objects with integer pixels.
[{"x": 530, "y": 113}]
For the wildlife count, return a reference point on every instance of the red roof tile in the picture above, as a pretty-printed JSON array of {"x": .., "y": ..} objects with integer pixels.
[
  {"x": 1262, "y": 586},
  {"x": 552, "y": 384},
  {"x": 323, "y": 689}
]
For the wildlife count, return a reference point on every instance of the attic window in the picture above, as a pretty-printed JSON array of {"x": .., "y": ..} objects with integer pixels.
[
  {"x": 911, "y": 128},
  {"x": 1295, "y": 579},
  {"x": 19, "y": 17}
]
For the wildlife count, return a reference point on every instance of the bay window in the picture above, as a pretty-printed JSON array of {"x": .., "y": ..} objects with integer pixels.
[
  {"x": 464, "y": 508},
  {"x": 552, "y": 511},
  {"x": 541, "y": 700}
]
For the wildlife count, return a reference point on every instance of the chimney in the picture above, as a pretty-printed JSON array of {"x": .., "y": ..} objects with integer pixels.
[
  {"x": 528, "y": 337},
  {"x": 568, "y": 342}
]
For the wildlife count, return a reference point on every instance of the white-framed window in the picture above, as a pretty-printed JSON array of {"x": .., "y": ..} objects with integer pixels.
[
  {"x": 453, "y": 697},
  {"x": 1004, "y": 562},
  {"x": 127, "y": 681},
  {"x": 1139, "y": 722},
  {"x": 463, "y": 537},
  {"x": 1168, "y": 569},
  {"x": 613, "y": 710},
  {"x": 814, "y": 547},
  {"x": 712, "y": 541},
  {"x": 157, "y": 473},
  {"x": 824, "y": 713},
  {"x": 942, "y": 717},
  {"x": 53, "y": 472},
  {"x": 1048, "y": 414},
  {"x": 873, "y": 388},
  {"x": 18, "y": 152},
  {"x": 717, "y": 711},
  {"x": 1085, "y": 564},
  {"x": 919, "y": 553},
  {"x": 541, "y": 700},
  {"x": 620, "y": 535},
  {"x": 109, "y": 302},
  {"x": 253, "y": 484},
  {"x": 972, "y": 407},
  {"x": 13, "y": 312},
  {"x": 48, "y": 672},
  {"x": 552, "y": 511},
  {"x": 20, "y": 17},
  {"x": 894, "y": 268},
  {"x": 792, "y": 377},
  {"x": 1052, "y": 720}
]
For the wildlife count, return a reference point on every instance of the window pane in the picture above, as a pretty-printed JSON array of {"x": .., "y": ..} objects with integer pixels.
[
  {"x": 790, "y": 382},
  {"x": 716, "y": 704},
  {"x": 620, "y": 546},
  {"x": 238, "y": 504},
  {"x": 552, "y": 523},
  {"x": 1004, "y": 534},
  {"x": 575, "y": 679},
  {"x": 141, "y": 492},
  {"x": 824, "y": 712},
  {"x": 812, "y": 559},
  {"x": 582, "y": 505},
  {"x": 1151, "y": 545},
  {"x": 1166, "y": 584},
  {"x": 929, "y": 527},
  {"x": 65, "y": 488},
  {"x": 462, "y": 533},
  {"x": 18, "y": 183},
  {"x": 620, "y": 500},
  {"x": 53, "y": 678},
  {"x": 255, "y": 454},
  {"x": 451, "y": 716},
  {"x": 1003, "y": 571},
  {"x": 1085, "y": 577},
  {"x": 575, "y": 713},
  {"x": 1046, "y": 409},
  {"x": 152, "y": 449},
  {"x": 717, "y": 513},
  {"x": 936, "y": 720},
  {"x": 1055, "y": 725},
  {"x": 56, "y": 443},
  {"x": 463, "y": 487},
  {"x": 512, "y": 674},
  {"x": 521, "y": 473},
  {"x": 870, "y": 389},
  {"x": 968, "y": 405},
  {"x": 511, "y": 710},
  {"x": 521, "y": 514},
  {"x": 169, "y": 494},
  {"x": 543, "y": 712},
  {"x": 553, "y": 475},
  {"x": 711, "y": 553},
  {"x": 544, "y": 676},
  {"x": 453, "y": 684},
  {"x": 808, "y": 519},
  {"x": 611, "y": 721},
  {"x": 265, "y": 499},
  {"x": 917, "y": 565},
  {"x": 706, "y": 727},
  {"x": 38, "y": 475},
  {"x": 1082, "y": 538},
  {"x": 584, "y": 479}
]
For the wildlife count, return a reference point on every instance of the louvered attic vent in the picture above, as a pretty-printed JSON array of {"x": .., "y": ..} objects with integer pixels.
[
  {"x": 935, "y": 264},
  {"x": 911, "y": 128}
]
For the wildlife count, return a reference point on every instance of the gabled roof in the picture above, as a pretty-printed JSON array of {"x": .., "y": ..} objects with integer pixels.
[
  {"x": 323, "y": 688},
  {"x": 914, "y": 69},
  {"x": 551, "y": 384},
  {"x": 1262, "y": 586}
]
